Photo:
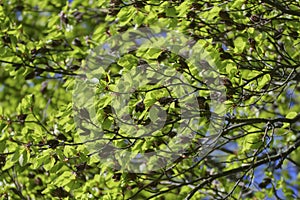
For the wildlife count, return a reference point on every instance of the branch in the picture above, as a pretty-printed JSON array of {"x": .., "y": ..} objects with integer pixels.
[
  {"x": 245, "y": 167},
  {"x": 264, "y": 120},
  {"x": 281, "y": 8}
]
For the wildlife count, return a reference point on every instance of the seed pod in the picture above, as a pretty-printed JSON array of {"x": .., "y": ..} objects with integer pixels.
[
  {"x": 226, "y": 82},
  {"x": 254, "y": 18},
  {"x": 59, "y": 192},
  {"x": 266, "y": 181},
  {"x": 202, "y": 102},
  {"x": 166, "y": 100},
  {"x": 77, "y": 42},
  {"x": 53, "y": 143},
  {"x": 2, "y": 160},
  {"x": 191, "y": 15},
  {"x": 224, "y": 15},
  {"x": 252, "y": 42},
  {"x": 61, "y": 137},
  {"x": 225, "y": 56},
  {"x": 240, "y": 27},
  {"x": 80, "y": 167},
  {"x": 6, "y": 39},
  {"x": 140, "y": 107},
  {"x": 78, "y": 16},
  {"x": 21, "y": 118},
  {"x": 63, "y": 17},
  {"x": 196, "y": 6},
  {"x": 29, "y": 76}
]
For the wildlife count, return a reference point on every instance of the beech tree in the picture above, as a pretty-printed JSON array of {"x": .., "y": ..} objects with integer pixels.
[{"x": 149, "y": 99}]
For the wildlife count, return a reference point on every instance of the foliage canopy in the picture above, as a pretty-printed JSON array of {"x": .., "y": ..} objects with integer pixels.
[{"x": 66, "y": 66}]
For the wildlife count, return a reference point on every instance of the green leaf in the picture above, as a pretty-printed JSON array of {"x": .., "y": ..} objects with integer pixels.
[
  {"x": 148, "y": 101},
  {"x": 126, "y": 14},
  {"x": 251, "y": 142},
  {"x": 7, "y": 165},
  {"x": 213, "y": 13},
  {"x": 49, "y": 163},
  {"x": 24, "y": 157},
  {"x": 183, "y": 9},
  {"x": 171, "y": 12},
  {"x": 107, "y": 123},
  {"x": 2, "y": 145},
  {"x": 41, "y": 160},
  {"x": 69, "y": 151},
  {"x": 240, "y": 44},
  {"x": 264, "y": 80},
  {"x": 291, "y": 115},
  {"x": 139, "y": 133},
  {"x": 47, "y": 76},
  {"x": 26, "y": 103},
  {"x": 64, "y": 178},
  {"x": 16, "y": 155},
  {"x": 231, "y": 69},
  {"x": 153, "y": 113},
  {"x": 237, "y": 4},
  {"x": 152, "y": 53},
  {"x": 128, "y": 61},
  {"x": 139, "y": 18}
]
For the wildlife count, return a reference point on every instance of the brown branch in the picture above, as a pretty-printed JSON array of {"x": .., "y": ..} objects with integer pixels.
[
  {"x": 264, "y": 120},
  {"x": 246, "y": 167},
  {"x": 281, "y": 8}
]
